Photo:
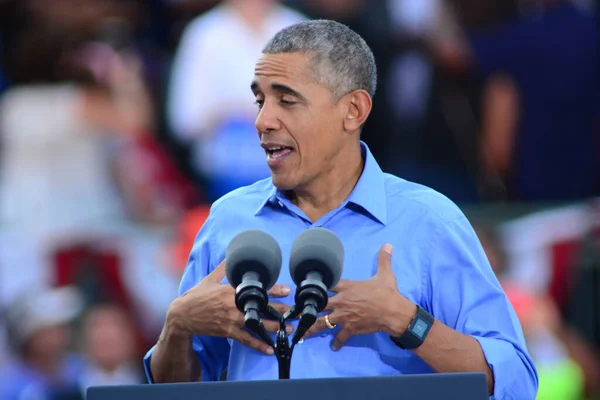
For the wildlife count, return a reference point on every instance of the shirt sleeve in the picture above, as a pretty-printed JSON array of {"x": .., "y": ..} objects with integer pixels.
[
  {"x": 465, "y": 294},
  {"x": 212, "y": 352}
]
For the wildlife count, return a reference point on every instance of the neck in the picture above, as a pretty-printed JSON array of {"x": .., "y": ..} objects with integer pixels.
[{"x": 328, "y": 191}]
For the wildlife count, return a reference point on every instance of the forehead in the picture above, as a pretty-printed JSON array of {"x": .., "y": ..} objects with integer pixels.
[{"x": 287, "y": 67}]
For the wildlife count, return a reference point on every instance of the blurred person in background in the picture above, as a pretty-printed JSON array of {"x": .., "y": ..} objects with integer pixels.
[
  {"x": 568, "y": 365},
  {"x": 80, "y": 171},
  {"x": 56, "y": 123},
  {"x": 434, "y": 136},
  {"x": 110, "y": 350},
  {"x": 209, "y": 106},
  {"x": 561, "y": 377},
  {"x": 539, "y": 116},
  {"x": 78, "y": 122},
  {"x": 40, "y": 331},
  {"x": 418, "y": 128}
]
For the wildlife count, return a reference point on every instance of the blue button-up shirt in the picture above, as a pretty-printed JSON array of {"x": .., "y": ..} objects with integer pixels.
[{"x": 438, "y": 262}]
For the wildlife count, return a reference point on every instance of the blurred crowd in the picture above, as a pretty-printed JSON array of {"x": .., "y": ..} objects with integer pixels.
[{"x": 122, "y": 121}]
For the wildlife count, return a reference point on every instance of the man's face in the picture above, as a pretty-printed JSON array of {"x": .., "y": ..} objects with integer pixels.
[
  {"x": 299, "y": 123},
  {"x": 49, "y": 342}
]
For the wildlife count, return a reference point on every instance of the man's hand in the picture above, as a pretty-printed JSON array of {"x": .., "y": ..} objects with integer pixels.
[
  {"x": 208, "y": 309},
  {"x": 363, "y": 307}
]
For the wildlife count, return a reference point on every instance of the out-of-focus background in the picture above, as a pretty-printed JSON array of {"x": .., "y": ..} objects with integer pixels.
[{"x": 122, "y": 120}]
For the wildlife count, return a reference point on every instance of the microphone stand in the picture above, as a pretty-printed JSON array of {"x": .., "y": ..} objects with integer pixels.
[
  {"x": 282, "y": 348},
  {"x": 314, "y": 298}
]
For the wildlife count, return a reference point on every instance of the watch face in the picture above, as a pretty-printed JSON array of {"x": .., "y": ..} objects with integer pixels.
[{"x": 420, "y": 328}]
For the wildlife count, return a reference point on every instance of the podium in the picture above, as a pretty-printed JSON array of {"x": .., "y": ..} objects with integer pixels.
[{"x": 458, "y": 386}]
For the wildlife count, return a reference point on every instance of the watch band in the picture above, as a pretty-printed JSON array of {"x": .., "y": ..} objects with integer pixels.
[{"x": 417, "y": 331}]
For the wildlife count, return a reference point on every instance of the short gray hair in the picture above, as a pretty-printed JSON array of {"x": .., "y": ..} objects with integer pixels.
[{"x": 342, "y": 61}]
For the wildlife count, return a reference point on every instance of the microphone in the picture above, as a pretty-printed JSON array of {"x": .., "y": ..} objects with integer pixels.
[
  {"x": 316, "y": 263},
  {"x": 252, "y": 266}
]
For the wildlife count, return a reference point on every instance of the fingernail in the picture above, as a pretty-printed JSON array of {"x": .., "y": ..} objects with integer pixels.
[
  {"x": 269, "y": 351},
  {"x": 289, "y": 329},
  {"x": 335, "y": 347},
  {"x": 285, "y": 291},
  {"x": 388, "y": 248}
]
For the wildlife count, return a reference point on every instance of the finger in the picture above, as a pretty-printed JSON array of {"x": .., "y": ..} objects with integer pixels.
[
  {"x": 273, "y": 326},
  {"x": 248, "y": 340},
  {"x": 340, "y": 339},
  {"x": 218, "y": 273},
  {"x": 279, "y": 291},
  {"x": 341, "y": 286},
  {"x": 318, "y": 326},
  {"x": 280, "y": 308},
  {"x": 331, "y": 304},
  {"x": 384, "y": 260}
]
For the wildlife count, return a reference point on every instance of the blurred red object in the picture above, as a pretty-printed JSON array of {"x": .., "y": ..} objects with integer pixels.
[
  {"x": 154, "y": 187},
  {"x": 188, "y": 228},
  {"x": 564, "y": 255},
  {"x": 522, "y": 302},
  {"x": 96, "y": 270}
]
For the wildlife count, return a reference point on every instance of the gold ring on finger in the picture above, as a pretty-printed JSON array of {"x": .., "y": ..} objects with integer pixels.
[{"x": 328, "y": 323}]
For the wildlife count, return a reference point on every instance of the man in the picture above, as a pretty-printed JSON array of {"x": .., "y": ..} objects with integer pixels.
[{"x": 313, "y": 86}]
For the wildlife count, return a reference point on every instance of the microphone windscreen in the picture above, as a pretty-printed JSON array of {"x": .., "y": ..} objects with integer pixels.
[
  {"x": 253, "y": 251},
  {"x": 317, "y": 249}
]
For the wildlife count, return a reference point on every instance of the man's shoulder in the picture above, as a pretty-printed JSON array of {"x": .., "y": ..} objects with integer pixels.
[
  {"x": 244, "y": 198},
  {"x": 404, "y": 195}
]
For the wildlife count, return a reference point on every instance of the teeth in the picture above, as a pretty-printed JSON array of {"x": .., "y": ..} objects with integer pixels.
[{"x": 276, "y": 148}]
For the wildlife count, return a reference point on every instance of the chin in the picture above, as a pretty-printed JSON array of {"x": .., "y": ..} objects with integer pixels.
[{"x": 283, "y": 183}]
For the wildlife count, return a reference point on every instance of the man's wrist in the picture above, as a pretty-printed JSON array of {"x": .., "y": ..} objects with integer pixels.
[
  {"x": 175, "y": 320},
  {"x": 400, "y": 314}
]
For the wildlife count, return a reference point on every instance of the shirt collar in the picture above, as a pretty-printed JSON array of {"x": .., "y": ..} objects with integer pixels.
[{"x": 369, "y": 192}]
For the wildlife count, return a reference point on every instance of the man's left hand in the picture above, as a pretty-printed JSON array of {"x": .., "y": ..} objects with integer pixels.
[{"x": 363, "y": 307}]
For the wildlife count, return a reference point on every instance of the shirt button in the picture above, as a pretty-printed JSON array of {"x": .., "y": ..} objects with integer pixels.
[{"x": 280, "y": 203}]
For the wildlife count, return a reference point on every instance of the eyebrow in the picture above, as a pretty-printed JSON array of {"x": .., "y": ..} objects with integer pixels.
[{"x": 278, "y": 87}]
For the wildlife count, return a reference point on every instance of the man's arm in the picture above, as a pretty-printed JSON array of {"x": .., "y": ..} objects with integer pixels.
[
  {"x": 447, "y": 350},
  {"x": 180, "y": 356},
  {"x": 173, "y": 358},
  {"x": 476, "y": 328}
]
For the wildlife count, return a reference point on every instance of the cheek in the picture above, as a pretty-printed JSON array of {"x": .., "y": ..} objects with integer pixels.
[{"x": 314, "y": 136}]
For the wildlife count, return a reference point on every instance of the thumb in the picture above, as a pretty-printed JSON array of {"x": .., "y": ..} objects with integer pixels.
[
  {"x": 218, "y": 273},
  {"x": 384, "y": 260}
]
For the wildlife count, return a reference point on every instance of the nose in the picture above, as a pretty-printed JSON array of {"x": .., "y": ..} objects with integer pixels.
[{"x": 267, "y": 119}]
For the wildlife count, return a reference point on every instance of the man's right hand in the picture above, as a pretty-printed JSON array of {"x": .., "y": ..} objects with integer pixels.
[{"x": 208, "y": 309}]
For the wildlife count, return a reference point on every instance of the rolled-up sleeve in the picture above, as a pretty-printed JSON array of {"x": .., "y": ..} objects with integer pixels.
[
  {"x": 465, "y": 294},
  {"x": 212, "y": 352}
]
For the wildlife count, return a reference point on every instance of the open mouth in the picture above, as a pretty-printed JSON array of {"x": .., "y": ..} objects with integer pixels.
[{"x": 278, "y": 152}]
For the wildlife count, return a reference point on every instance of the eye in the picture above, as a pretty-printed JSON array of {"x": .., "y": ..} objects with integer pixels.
[
  {"x": 287, "y": 103},
  {"x": 259, "y": 103}
]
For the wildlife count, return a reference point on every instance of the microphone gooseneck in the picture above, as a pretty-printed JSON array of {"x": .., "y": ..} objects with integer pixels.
[
  {"x": 252, "y": 266},
  {"x": 316, "y": 265}
]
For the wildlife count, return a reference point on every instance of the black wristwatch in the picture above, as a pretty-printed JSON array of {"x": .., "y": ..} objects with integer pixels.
[{"x": 417, "y": 331}]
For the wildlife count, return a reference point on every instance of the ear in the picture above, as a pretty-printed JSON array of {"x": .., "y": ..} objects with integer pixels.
[{"x": 358, "y": 107}]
